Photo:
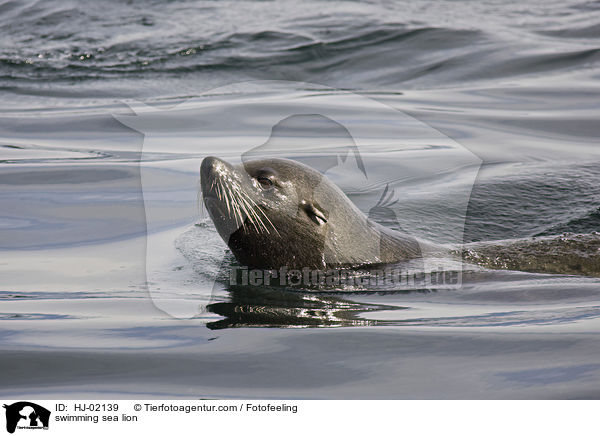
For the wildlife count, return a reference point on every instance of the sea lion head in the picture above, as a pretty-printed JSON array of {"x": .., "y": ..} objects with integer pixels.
[
  {"x": 275, "y": 213},
  {"x": 272, "y": 213}
]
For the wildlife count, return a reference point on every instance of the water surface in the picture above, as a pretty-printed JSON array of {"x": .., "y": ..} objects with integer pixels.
[{"x": 84, "y": 196}]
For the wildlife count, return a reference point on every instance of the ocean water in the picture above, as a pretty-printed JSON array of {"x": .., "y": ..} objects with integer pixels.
[{"x": 481, "y": 119}]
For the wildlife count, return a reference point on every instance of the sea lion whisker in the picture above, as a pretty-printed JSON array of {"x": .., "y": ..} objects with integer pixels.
[
  {"x": 200, "y": 207},
  {"x": 253, "y": 216},
  {"x": 234, "y": 206},
  {"x": 268, "y": 220},
  {"x": 219, "y": 194},
  {"x": 241, "y": 210},
  {"x": 227, "y": 200},
  {"x": 251, "y": 205},
  {"x": 238, "y": 206},
  {"x": 256, "y": 206}
]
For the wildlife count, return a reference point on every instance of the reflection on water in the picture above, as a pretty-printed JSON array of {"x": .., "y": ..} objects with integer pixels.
[
  {"x": 526, "y": 300},
  {"x": 260, "y": 307}
]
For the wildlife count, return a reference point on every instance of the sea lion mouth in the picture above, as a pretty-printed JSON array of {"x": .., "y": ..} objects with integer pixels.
[{"x": 213, "y": 203}]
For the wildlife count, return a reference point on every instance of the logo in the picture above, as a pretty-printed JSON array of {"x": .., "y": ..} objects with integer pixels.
[{"x": 26, "y": 415}]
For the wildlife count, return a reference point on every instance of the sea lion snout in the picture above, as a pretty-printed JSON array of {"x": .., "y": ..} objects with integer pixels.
[
  {"x": 207, "y": 165},
  {"x": 211, "y": 168},
  {"x": 207, "y": 173},
  {"x": 218, "y": 187}
]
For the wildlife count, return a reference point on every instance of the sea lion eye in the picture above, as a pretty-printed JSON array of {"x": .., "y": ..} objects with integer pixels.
[{"x": 265, "y": 182}]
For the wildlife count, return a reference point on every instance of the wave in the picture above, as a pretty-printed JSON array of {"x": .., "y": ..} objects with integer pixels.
[
  {"x": 587, "y": 223},
  {"x": 362, "y": 46}
]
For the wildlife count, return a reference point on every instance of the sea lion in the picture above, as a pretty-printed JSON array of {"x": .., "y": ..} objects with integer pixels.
[
  {"x": 275, "y": 213},
  {"x": 279, "y": 213}
]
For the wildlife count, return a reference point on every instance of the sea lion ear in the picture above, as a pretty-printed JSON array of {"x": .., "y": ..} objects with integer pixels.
[{"x": 313, "y": 212}]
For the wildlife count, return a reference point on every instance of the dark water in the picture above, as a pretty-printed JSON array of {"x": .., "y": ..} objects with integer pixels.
[{"x": 481, "y": 117}]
